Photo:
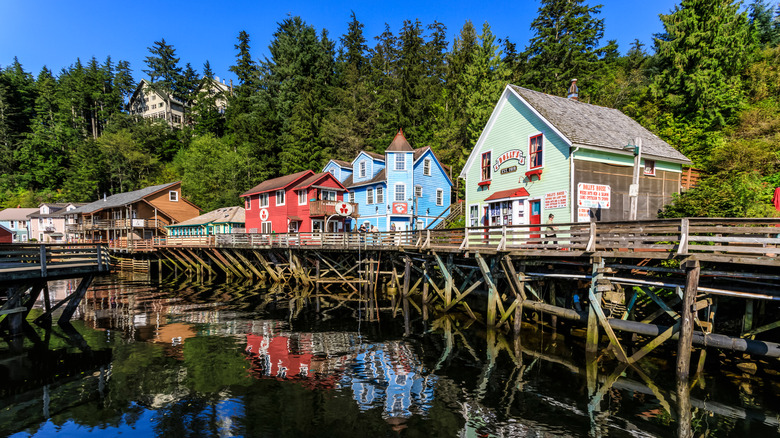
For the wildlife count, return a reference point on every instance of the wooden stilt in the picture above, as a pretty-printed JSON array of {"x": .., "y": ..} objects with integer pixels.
[
  {"x": 692, "y": 270},
  {"x": 492, "y": 292},
  {"x": 78, "y": 294},
  {"x": 271, "y": 272}
]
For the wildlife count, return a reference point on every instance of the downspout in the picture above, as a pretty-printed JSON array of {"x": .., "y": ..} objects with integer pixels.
[{"x": 573, "y": 217}]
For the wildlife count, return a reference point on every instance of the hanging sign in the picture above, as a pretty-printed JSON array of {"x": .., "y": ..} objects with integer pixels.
[
  {"x": 593, "y": 195},
  {"x": 264, "y": 214},
  {"x": 555, "y": 200},
  {"x": 343, "y": 208},
  {"x": 399, "y": 207},
  {"x": 514, "y": 154}
]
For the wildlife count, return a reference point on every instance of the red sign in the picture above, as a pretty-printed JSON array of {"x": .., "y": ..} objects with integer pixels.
[
  {"x": 264, "y": 214},
  {"x": 514, "y": 154},
  {"x": 343, "y": 209},
  {"x": 399, "y": 207}
]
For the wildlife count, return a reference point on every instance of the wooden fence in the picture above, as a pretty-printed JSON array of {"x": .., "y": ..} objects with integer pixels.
[{"x": 28, "y": 261}]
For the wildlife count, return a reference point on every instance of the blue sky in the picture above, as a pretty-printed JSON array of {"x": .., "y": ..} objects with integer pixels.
[{"x": 56, "y": 32}]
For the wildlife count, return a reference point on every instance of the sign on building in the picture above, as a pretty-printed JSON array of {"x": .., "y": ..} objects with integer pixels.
[
  {"x": 555, "y": 200},
  {"x": 593, "y": 195}
]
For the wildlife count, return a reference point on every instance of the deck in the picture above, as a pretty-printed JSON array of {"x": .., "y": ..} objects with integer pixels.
[{"x": 49, "y": 262}]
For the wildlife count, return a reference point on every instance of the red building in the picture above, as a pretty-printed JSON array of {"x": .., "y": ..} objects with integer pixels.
[
  {"x": 301, "y": 202},
  {"x": 5, "y": 235}
]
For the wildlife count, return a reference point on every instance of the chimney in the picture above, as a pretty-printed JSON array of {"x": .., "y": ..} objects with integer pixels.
[
  {"x": 104, "y": 196},
  {"x": 574, "y": 91}
]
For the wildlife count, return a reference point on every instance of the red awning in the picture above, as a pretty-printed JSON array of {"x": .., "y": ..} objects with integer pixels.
[{"x": 506, "y": 194}]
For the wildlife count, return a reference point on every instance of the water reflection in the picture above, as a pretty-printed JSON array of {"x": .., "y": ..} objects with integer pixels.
[{"x": 191, "y": 359}]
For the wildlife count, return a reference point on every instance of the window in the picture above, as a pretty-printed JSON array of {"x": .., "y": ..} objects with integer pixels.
[
  {"x": 370, "y": 196},
  {"x": 248, "y": 203},
  {"x": 474, "y": 215},
  {"x": 328, "y": 195},
  {"x": 352, "y": 197},
  {"x": 400, "y": 192},
  {"x": 380, "y": 195},
  {"x": 418, "y": 191},
  {"x": 649, "y": 167},
  {"x": 301, "y": 197},
  {"x": 535, "y": 151},
  {"x": 173, "y": 196},
  {"x": 332, "y": 172},
  {"x": 154, "y": 97},
  {"x": 400, "y": 162},
  {"x": 362, "y": 171},
  {"x": 486, "y": 166},
  {"x": 280, "y": 197},
  {"x": 263, "y": 200},
  {"x": 265, "y": 228},
  {"x": 439, "y": 197},
  {"x": 427, "y": 167}
]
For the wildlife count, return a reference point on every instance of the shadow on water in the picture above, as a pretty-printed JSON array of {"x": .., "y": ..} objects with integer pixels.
[{"x": 185, "y": 358}]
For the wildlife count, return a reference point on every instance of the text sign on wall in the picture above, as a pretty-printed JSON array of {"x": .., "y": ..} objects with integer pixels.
[
  {"x": 399, "y": 207},
  {"x": 593, "y": 195},
  {"x": 514, "y": 154},
  {"x": 555, "y": 200},
  {"x": 583, "y": 215}
]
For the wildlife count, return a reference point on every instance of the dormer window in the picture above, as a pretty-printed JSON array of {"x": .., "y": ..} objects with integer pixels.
[
  {"x": 427, "y": 167},
  {"x": 173, "y": 196},
  {"x": 362, "y": 169},
  {"x": 400, "y": 162}
]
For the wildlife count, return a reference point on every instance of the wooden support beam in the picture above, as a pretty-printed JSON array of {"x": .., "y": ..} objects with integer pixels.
[
  {"x": 264, "y": 263},
  {"x": 226, "y": 269},
  {"x": 75, "y": 299},
  {"x": 692, "y": 270},
  {"x": 492, "y": 291},
  {"x": 407, "y": 274},
  {"x": 201, "y": 261},
  {"x": 237, "y": 254},
  {"x": 448, "y": 281},
  {"x": 594, "y": 296},
  {"x": 337, "y": 272},
  {"x": 232, "y": 262}
]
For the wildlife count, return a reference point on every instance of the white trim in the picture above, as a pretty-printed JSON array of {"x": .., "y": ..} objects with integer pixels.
[
  {"x": 305, "y": 194},
  {"x": 482, "y": 136},
  {"x": 369, "y": 157},
  {"x": 362, "y": 169},
  {"x": 370, "y": 199},
  {"x": 380, "y": 189},
  {"x": 173, "y": 196},
  {"x": 276, "y": 198},
  {"x": 395, "y": 161},
  {"x": 541, "y": 117},
  {"x": 416, "y": 186},
  {"x": 428, "y": 162},
  {"x": 260, "y": 202},
  {"x": 395, "y": 192},
  {"x": 439, "y": 192}
]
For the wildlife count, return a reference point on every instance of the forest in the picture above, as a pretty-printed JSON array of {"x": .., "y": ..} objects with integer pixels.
[{"x": 709, "y": 85}]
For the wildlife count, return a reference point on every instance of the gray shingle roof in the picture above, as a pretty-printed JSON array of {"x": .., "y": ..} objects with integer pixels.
[
  {"x": 120, "y": 199},
  {"x": 218, "y": 216},
  {"x": 592, "y": 125},
  {"x": 380, "y": 177}
]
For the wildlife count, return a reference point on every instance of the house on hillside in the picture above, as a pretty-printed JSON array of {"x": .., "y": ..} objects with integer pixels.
[
  {"x": 47, "y": 224},
  {"x": 301, "y": 202},
  {"x": 541, "y": 154},
  {"x": 16, "y": 221},
  {"x": 136, "y": 215},
  {"x": 220, "y": 221},
  {"x": 149, "y": 103},
  {"x": 404, "y": 189}
]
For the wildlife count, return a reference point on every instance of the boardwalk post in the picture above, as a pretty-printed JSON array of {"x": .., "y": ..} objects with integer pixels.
[
  {"x": 43, "y": 261},
  {"x": 692, "y": 270},
  {"x": 99, "y": 254},
  {"x": 492, "y": 292},
  {"x": 592, "y": 336},
  {"x": 78, "y": 294}
]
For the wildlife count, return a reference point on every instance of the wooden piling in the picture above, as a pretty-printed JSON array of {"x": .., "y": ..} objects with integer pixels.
[{"x": 692, "y": 271}]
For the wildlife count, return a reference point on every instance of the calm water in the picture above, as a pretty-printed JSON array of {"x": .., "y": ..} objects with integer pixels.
[{"x": 179, "y": 359}]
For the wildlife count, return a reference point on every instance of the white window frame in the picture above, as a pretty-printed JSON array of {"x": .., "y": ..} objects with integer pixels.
[
  {"x": 380, "y": 195},
  {"x": 279, "y": 192},
  {"x": 649, "y": 170},
  {"x": 370, "y": 195},
  {"x": 302, "y": 197},
  {"x": 427, "y": 167},
  {"x": 439, "y": 197},
  {"x": 352, "y": 197},
  {"x": 474, "y": 220},
  {"x": 400, "y": 165},
  {"x": 266, "y": 227},
  {"x": 362, "y": 169},
  {"x": 326, "y": 195},
  {"x": 402, "y": 192},
  {"x": 418, "y": 191},
  {"x": 262, "y": 200},
  {"x": 248, "y": 203},
  {"x": 173, "y": 196}
]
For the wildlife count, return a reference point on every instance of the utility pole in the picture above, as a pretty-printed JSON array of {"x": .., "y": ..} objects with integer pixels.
[{"x": 633, "y": 190}]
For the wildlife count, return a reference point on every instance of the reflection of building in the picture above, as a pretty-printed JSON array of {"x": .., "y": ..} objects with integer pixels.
[
  {"x": 390, "y": 374},
  {"x": 541, "y": 154}
]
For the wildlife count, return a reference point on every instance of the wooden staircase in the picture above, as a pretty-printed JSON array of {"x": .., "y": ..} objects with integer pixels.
[{"x": 455, "y": 212}]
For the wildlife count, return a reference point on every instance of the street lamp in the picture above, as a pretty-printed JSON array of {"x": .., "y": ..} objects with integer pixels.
[{"x": 633, "y": 189}]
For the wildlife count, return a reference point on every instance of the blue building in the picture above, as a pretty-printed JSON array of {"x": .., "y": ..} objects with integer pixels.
[{"x": 405, "y": 188}]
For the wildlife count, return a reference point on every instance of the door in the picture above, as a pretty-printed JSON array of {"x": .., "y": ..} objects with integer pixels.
[{"x": 535, "y": 216}]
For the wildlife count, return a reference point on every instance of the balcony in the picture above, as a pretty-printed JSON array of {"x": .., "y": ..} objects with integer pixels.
[
  {"x": 49, "y": 229},
  {"x": 327, "y": 208}
]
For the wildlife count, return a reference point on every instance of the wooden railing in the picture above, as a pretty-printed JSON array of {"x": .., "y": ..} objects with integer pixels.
[
  {"x": 43, "y": 259},
  {"x": 659, "y": 238},
  {"x": 327, "y": 208}
]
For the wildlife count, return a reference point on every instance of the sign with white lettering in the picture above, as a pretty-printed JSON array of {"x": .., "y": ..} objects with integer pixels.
[
  {"x": 509, "y": 169},
  {"x": 399, "y": 207},
  {"x": 593, "y": 195},
  {"x": 514, "y": 154},
  {"x": 556, "y": 200}
]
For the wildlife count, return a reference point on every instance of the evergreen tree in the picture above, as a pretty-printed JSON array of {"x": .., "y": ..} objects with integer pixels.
[
  {"x": 707, "y": 49},
  {"x": 410, "y": 110},
  {"x": 246, "y": 68},
  {"x": 385, "y": 83},
  {"x": 123, "y": 81},
  {"x": 165, "y": 75},
  {"x": 564, "y": 46},
  {"x": 207, "y": 72},
  {"x": 762, "y": 24}
]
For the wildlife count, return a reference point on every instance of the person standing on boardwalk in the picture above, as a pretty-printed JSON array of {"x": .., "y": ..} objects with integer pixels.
[{"x": 550, "y": 231}]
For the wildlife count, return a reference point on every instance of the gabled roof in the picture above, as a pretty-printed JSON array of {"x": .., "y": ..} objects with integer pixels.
[
  {"x": 317, "y": 177},
  {"x": 277, "y": 183},
  {"x": 16, "y": 214},
  {"x": 399, "y": 143},
  {"x": 143, "y": 83},
  {"x": 373, "y": 155},
  {"x": 121, "y": 199},
  {"x": 506, "y": 194},
  {"x": 378, "y": 178},
  {"x": 218, "y": 216},
  {"x": 592, "y": 125},
  {"x": 57, "y": 209},
  {"x": 340, "y": 163}
]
